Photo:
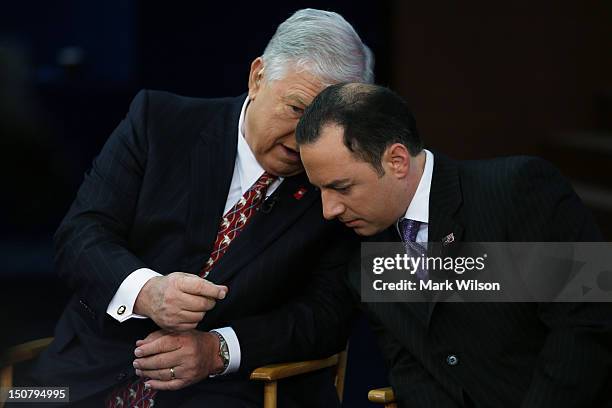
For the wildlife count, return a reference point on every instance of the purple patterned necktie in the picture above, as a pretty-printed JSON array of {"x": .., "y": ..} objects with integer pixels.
[{"x": 408, "y": 230}]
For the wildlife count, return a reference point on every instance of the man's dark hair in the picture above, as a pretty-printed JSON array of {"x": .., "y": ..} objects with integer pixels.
[{"x": 372, "y": 117}]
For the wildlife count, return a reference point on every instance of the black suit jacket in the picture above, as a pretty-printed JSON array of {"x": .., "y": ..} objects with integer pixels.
[
  {"x": 509, "y": 354},
  {"x": 153, "y": 198}
]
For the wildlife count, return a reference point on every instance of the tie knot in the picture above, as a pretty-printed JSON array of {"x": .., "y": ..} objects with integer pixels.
[
  {"x": 409, "y": 229},
  {"x": 264, "y": 181}
]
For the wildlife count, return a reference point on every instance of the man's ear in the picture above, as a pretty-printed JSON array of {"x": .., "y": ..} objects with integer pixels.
[
  {"x": 396, "y": 159},
  {"x": 256, "y": 77}
]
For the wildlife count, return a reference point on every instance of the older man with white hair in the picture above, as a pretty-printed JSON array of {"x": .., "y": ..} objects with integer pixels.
[{"x": 196, "y": 248}]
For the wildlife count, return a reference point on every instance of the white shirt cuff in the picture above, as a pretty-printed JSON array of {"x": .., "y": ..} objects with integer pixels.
[
  {"x": 121, "y": 305},
  {"x": 233, "y": 347}
]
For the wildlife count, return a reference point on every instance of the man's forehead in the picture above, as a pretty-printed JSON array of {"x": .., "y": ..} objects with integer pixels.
[
  {"x": 328, "y": 176},
  {"x": 332, "y": 132},
  {"x": 303, "y": 91},
  {"x": 328, "y": 151},
  {"x": 301, "y": 84}
]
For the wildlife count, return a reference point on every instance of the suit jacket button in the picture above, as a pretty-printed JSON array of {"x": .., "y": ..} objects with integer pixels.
[
  {"x": 121, "y": 376},
  {"x": 452, "y": 360},
  {"x": 121, "y": 310}
]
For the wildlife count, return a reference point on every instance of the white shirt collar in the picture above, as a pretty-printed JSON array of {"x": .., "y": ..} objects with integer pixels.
[
  {"x": 249, "y": 170},
  {"x": 418, "y": 209}
]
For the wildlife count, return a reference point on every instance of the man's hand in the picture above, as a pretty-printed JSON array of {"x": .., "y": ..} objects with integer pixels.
[
  {"x": 178, "y": 301},
  {"x": 191, "y": 355}
]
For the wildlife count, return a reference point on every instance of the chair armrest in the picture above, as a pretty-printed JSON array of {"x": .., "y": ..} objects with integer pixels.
[
  {"x": 276, "y": 372},
  {"x": 381, "y": 395},
  {"x": 23, "y": 352}
]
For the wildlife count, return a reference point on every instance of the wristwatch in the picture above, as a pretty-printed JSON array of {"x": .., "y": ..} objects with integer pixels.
[{"x": 223, "y": 351}]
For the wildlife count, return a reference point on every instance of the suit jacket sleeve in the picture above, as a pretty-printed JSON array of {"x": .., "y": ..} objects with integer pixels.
[
  {"x": 91, "y": 242},
  {"x": 573, "y": 367},
  {"x": 312, "y": 324}
]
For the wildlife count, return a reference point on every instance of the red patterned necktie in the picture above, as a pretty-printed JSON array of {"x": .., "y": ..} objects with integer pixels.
[
  {"x": 134, "y": 394},
  {"x": 236, "y": 219}
]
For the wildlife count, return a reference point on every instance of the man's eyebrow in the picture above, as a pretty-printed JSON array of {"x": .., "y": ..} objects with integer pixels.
[
  {"x": 342, "y": 183},
  {"x": 295, "y": 99}
]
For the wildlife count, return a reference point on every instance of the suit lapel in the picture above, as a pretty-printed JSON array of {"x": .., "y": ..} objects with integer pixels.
[
  {"x": 212, "y": 167},
  {"x": 445, "y": 200},
  {"x": 264, "y": 228}
]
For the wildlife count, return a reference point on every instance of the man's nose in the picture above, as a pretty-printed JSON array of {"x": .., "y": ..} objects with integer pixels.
[
  {"x": 291, "y": 141},
  {"x": 332, "y": 207}
]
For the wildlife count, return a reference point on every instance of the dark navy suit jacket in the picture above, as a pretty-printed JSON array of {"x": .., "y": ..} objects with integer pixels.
[
  {"x": 506, "y": 354},
  {"x": 153, "y": 198}
]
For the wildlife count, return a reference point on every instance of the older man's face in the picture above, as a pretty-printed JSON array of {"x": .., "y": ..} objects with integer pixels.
[
  {"x": 272, "y": 116},
  {"x": 351, "y": 189}
]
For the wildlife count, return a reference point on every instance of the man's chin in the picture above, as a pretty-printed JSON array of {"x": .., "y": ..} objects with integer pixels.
[
  {"x": 284, "y": 169},
  {"x": 363, "y": 230}
]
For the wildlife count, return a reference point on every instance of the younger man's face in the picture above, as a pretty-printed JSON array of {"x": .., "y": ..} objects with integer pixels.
[{"x": 351, "y": 189}]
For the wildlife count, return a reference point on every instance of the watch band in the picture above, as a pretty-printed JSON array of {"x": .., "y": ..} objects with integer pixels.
[{"x": 223, "y": 352}]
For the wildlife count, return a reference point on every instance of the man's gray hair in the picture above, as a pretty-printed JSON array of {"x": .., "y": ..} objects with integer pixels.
[{"x": 322, "y": 43}]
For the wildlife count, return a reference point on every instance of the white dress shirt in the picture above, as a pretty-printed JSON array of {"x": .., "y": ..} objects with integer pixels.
[
  {"x": 246, "y": 172},
  {"x": 418, "y": 209}
]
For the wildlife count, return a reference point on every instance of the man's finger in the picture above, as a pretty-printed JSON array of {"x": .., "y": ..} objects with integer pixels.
[
  {"x": 163, "y": 344},
  {"x": 187, "y": 317},
  {"x": 167, "y": 385},
  {"x": 157, "y": 361},
  {"x": 162, "y": 375},
  {"x": 195, "y": 285},
  {"x": 195, "y": 303}
]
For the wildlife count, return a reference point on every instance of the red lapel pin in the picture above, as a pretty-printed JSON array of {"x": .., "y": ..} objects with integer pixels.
[{"x": 299, "y": 193}]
